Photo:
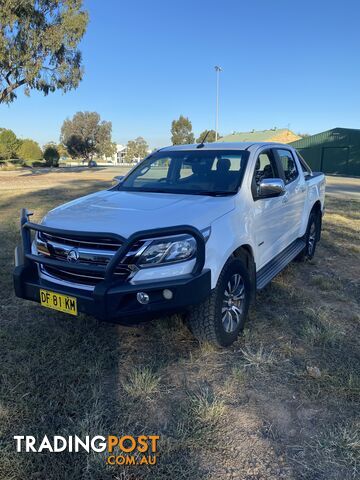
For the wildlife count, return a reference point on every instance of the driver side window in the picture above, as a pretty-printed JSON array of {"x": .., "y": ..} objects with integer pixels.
[{"x": 265, "y": 167}]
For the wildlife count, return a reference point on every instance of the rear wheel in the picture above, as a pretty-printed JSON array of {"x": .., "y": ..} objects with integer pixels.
[
  {"x": 311, "y": 237},
  {"x": 221, "y": 317}
]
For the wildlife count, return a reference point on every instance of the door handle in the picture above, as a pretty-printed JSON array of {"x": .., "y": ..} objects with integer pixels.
[{"x": 300, "y": 188}]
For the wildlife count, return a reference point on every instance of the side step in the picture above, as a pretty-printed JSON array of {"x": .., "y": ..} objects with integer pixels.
[{"x": 268, "y": 272}]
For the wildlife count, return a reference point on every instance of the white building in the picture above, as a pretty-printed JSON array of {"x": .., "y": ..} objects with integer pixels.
[{"x": 119, "y": 155}]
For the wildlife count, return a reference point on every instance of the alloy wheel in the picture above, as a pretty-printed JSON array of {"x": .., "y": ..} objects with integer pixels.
[{"x": 233, "y": 301}]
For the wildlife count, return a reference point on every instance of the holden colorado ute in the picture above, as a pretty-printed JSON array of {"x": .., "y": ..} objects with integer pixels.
[{"x": 192, "y": 228}]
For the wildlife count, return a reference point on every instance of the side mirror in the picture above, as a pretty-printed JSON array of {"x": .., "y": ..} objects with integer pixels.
[
  {"x": 118, "y": 179},
  {"x": 271, "y": 187}
]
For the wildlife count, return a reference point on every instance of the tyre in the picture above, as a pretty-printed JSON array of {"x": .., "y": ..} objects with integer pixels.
[
  {"x": 311, "y": 237},
  {"x": 221, "y": 317}
]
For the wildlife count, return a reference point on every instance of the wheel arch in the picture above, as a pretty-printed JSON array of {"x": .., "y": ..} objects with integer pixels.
[
  {"x": 244, "y": 250},
  {"x": 316, "y": 208},
  {"x": 246, "y": 253}
]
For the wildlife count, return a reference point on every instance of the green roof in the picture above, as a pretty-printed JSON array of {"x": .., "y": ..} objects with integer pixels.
[{"x": 254, "y": 136}]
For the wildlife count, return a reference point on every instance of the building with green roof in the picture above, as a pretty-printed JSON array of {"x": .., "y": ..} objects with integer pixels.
[
  {"x": 281, "y": 135},
  {"x": 335, "y": 151}
]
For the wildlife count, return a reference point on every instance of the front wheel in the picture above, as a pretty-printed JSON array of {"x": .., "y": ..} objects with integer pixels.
[{"x": 221, "y": 317}]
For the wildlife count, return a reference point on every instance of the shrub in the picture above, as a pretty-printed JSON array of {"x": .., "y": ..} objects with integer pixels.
[{"x": 51, "y": 156}]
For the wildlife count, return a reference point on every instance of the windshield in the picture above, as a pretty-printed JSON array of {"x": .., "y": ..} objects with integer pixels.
[{"x": 206, "y": 172}]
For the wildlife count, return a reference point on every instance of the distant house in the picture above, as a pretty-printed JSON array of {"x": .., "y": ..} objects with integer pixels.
[
  {"x": 281, "y": 135},
  {"x": 119, "y": 155}
]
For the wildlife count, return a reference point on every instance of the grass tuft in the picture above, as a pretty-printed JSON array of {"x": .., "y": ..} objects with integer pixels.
[
  {"x": 206, "y": 406},
  {"x": 319, "y": 331},
  {"x": 141, "y": 383},
  {"x": 238, "y": 373},
  {"x": 257, "y": 357}
]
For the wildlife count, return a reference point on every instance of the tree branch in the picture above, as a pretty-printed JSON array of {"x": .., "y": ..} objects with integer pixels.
[{"x": 4, "y": 94}]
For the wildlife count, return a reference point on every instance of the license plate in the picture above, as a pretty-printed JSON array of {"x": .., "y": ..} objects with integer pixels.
[{"x": 56, "y": 301}]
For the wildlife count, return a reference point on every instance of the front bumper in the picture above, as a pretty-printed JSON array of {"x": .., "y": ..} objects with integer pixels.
[
  {"x": 118, "y": 303},
  {"x": 112, "y": 300}
]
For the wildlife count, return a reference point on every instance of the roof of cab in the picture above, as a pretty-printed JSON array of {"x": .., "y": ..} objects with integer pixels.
[{"x": 219, "y": 146}]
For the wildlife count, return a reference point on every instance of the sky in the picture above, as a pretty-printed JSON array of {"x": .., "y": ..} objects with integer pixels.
[{"x": 286, "y": 64}]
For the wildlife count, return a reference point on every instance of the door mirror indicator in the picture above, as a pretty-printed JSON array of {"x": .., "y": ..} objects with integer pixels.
[{"x": 271, "y": 187}]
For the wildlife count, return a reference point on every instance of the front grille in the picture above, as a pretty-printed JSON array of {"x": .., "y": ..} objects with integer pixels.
[
  {"x": 85, "y": 278},
  {"x": 77, "y": 242},
  {"x": 90, "y": 251}
]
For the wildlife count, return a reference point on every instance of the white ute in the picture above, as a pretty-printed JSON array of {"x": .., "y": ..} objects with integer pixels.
[{"x": 192, "y": 228}]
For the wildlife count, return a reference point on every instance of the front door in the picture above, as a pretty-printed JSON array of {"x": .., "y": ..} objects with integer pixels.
[{"x": 270, "y": 223}]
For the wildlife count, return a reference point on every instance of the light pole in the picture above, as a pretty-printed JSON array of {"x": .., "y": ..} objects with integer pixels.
[{"x": 217, "y": 70}]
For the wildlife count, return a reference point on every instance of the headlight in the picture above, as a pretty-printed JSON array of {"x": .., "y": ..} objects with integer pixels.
[{"x": 171, "y": 249}]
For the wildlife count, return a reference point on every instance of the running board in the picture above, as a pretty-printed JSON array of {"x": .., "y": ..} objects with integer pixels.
[{"x": 271, "y": 269}]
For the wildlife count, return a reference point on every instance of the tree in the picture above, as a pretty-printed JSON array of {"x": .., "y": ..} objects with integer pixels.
[
  {"x": 61, "y": 149},
  {"x": 85, "y": 136},
  {"x": 210, "y": 136},
  {"x": 181, "y": 131},
  {"x": 9, "y": 144},
  {"x": 51, "y": 155},
  {"x": 29, "y": 150},
  {"x": 38, "y": 45},
  {"x": 136, "y": 149}
]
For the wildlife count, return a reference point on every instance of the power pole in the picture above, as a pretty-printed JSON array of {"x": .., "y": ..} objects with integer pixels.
[{"x": 217, "y": 70}]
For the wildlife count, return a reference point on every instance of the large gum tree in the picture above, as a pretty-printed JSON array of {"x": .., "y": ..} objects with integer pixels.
[{"x": 39, "y": 45}]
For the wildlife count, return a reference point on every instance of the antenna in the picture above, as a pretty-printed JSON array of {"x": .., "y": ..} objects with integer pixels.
[{"x": 201, "y": 144}]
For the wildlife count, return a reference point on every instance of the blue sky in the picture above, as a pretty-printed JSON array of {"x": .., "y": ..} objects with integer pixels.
[{"x": 285, "y": 63}]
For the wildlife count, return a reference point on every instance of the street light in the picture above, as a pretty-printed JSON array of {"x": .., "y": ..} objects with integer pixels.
[{"x": 217, "y": 70}]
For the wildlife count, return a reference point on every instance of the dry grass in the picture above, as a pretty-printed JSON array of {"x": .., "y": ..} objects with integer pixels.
[
  {"x": 251, "y": 412},
  {"x": 141, "y": 383},
  {"x": 319, "y": 329},
  {"x": 257, "y": 357},
  {"x": 205, "y": 406}
]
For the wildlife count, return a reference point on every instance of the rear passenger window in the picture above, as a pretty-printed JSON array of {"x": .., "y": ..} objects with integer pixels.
[
  {"x": 289, "y": 165},
  {"x": 304, "y": 166}
]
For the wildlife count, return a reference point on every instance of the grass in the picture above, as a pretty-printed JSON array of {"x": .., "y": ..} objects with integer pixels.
[
  {"x": 206, "y": 406},
  {"x": 239, "y": 374},
  {"x": 141, "y": 383},
  {"x": 319, "y": 330},
  {"x": 248, "y": 412},
  {"x": 339, "y": 447},
  {"x": 326, "y": 283},
  {"x": 257, "y": 357}
]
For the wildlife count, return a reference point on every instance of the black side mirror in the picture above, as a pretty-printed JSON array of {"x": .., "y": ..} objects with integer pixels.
[{"x": 271, "y": 187}]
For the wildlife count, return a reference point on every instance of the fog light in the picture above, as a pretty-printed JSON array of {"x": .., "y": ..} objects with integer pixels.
[
  {"x": 168, "y": 294},
  {"x": 142, "y": 298}
]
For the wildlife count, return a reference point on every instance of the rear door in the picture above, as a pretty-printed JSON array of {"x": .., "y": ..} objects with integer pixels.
[{"x": 295, "y": 196}]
